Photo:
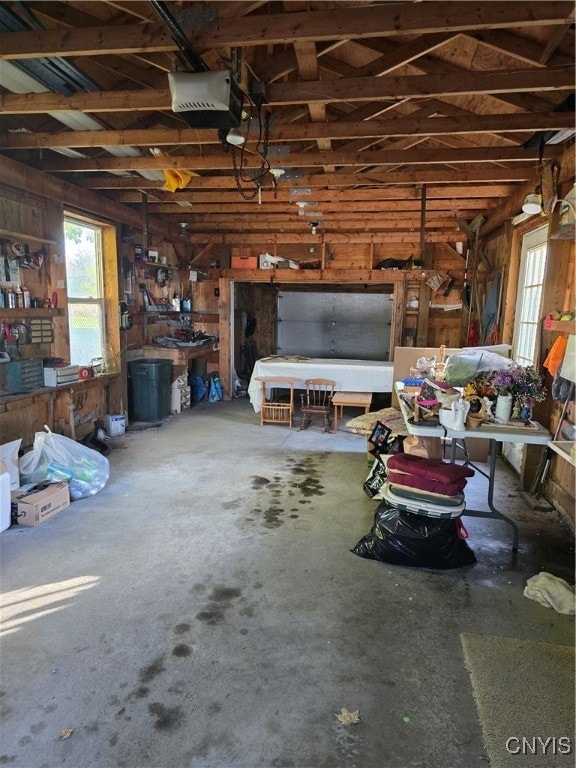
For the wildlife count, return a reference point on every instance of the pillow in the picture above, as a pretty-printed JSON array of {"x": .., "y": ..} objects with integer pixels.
[{"x": 364, "y": 424}]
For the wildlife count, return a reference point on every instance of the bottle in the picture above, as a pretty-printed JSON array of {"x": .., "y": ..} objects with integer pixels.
[
  {"x": 10, "y": 298},
  {"x": 186, "y": 304},
  {"x": 18, "y": 301},
  {"x": 176, "y": 303},
  {"x": 25, "y": 298}
]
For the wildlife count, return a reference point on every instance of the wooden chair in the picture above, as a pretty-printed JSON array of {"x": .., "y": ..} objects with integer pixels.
[
  {"x": 276, "y": 412},
  {"x": 317, "y": 400}
]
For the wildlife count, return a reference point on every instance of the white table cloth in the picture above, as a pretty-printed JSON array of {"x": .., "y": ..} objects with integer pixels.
[{"x": 349, "y": 375}]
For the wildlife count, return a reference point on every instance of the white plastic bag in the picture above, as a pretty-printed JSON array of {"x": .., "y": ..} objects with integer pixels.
[{"x": 56, "y": 457}]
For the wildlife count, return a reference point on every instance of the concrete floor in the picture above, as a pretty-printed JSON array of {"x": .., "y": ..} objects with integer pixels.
[{"x": 204, "y": 611}]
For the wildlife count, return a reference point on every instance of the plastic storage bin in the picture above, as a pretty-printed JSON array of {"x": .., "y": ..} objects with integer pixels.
[
  {"x": 22, "y": 375},
  {"x": 149, "y": 392}
]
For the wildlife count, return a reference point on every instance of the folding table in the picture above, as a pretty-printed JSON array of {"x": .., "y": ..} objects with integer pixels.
[{"x": 534, "y": 434}]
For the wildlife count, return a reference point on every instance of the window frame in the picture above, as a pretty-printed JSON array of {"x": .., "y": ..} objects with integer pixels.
[{"x": 109, "y": 287}]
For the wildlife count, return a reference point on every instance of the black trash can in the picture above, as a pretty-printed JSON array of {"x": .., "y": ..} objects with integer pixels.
[{"x": 149, "y": 393}]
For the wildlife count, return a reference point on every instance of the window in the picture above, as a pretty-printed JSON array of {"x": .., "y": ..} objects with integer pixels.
[
  {"x": 529, "y": 298},
  {"x": 84, "y": 283},
  {"x": 528, "y": 301}
]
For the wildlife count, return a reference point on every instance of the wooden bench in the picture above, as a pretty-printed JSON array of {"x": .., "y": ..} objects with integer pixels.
[{"x": 358, "y": 399}]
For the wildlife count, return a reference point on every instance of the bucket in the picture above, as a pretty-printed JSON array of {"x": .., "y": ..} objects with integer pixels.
[{"x": 199, "y": 366}]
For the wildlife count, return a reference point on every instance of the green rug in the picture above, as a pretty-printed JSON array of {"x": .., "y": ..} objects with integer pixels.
[{"x": 524, "y": 692}]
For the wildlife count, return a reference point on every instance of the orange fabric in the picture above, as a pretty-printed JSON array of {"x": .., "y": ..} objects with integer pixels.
[{"x": 556, "y": 355}]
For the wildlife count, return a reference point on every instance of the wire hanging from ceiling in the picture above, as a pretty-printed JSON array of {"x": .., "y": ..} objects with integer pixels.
[{"x": 239, "y": 153}]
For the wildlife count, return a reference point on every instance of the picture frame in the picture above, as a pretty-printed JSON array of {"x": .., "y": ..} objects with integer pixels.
[{"x": 379, "y": 437}]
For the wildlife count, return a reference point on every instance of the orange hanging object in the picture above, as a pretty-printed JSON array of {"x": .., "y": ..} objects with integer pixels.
[{"x": 556, "y": 355}]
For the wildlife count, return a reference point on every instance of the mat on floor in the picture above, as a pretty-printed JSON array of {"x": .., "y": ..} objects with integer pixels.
[{"x": 524, "y": 693}]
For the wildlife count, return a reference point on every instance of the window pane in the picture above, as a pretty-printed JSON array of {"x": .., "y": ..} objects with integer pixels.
[
  {"x": 86, "y": 342},
  {"x": 82, "y": 261}
]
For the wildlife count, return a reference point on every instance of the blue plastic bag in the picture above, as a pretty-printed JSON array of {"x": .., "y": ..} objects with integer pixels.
[{"x": 215, "y": 392}]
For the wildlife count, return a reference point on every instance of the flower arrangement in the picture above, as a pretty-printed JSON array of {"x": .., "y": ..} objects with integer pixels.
[
  {"x": 505, "y": 382},
  {"x": 481, "y": 386},
  {"x": 530, "y": 387},
  {"x": 524, "y": 383}
]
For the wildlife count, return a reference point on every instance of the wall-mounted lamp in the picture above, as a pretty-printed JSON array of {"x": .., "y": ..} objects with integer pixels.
[
  {"x": 533, "y": 202},
  {"x": 313, "y": 227}
]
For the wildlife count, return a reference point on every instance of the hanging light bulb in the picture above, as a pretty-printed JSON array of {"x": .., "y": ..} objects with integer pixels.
[
  {"x": 235, "y": 137},
  {"x": 533, "y": 202}
]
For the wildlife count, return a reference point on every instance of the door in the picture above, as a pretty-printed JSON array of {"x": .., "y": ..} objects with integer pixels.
[
  {"x": 335, "y": 325},
  {"x": 527, "y": 323}
]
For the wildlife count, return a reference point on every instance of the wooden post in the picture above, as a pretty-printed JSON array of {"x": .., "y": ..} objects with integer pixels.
[{"x": 225, "y": 342}]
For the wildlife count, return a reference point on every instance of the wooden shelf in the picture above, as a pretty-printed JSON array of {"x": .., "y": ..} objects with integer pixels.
[
  {"x": 155, "y": 264},
  {"x": 561, "y": 326},
  {"x": 8, "y": 313},
  {"x": 204, "y": 317},
  {"x": 201, "y": 317},
  {"x": 5, "y": 233}
]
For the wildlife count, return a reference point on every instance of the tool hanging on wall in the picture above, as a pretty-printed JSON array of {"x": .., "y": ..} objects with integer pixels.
[{"x": 470, "y": 297}]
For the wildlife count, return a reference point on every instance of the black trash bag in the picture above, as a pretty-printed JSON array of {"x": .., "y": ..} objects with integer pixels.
[{"x": 404, "y": 538}]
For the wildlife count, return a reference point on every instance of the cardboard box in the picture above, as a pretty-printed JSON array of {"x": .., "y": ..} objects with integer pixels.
[
  {"x": 249, "y": 262},
  {"x": 40, "y": 502}
]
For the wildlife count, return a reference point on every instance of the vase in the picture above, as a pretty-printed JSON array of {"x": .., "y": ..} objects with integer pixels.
[{"x": 503, "y": 409}]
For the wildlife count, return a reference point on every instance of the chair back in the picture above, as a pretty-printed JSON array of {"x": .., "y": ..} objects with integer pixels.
[{"x": 319, "y": 392}]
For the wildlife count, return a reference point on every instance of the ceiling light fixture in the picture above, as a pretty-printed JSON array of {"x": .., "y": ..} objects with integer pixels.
[
  {"x": 533, "y": 202},
  {"x": 235, "y": 137}
]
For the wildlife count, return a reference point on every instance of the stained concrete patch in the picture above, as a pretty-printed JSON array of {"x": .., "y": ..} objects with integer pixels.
[
  {"x": 300, "y": 478},
  {"x": 167, "y": 718},
  {"x": 221, "y": 599},
  {"x": 221, "y": 594},
  {"x": 151, "y": 671},
  {"x": 181, "y": 650}
]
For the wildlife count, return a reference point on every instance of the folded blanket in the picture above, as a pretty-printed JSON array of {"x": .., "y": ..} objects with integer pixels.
[
  {"x": 429, "y": 468},
  {"x": 427, "y": 483}
]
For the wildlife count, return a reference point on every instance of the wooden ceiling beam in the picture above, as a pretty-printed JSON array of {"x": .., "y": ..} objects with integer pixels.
[
  {"x": 334, "y": 180},
  {"x": 400, "y": 126},
  {"x": 221, "y": 161},
  {"x": 289, "y": 208},
  {"x": 283, "y": 195},
  {"x": 321, "y": 91},
  {"x": 345, "y": 23},
  {"x": 461, "y": 83}
]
